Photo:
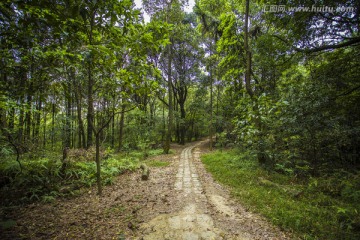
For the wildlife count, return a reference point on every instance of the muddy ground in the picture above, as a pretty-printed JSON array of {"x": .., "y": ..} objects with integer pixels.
[{"x": 180, "y": 201}]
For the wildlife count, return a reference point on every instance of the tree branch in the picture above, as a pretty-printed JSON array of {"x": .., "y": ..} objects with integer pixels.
[
  {"x": 351, "y": 42},
  {"x": 347, "y": 92},
  {"x": 97, "y": 131},
  {"x": 163, "y": 101}
]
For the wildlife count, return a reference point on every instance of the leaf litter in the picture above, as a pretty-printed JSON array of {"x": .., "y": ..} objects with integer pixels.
[{"x": 153, "y": 209}]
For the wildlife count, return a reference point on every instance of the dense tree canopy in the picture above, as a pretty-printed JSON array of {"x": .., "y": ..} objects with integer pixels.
[{"x": 282, "y": 84}]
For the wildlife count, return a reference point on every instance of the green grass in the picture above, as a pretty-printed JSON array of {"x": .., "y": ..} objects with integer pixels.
[
  {"x": 310, "y": 215},
  {"x": 41, "y": 178},
  {"x": 156, "y": 163},
  {"x": 140, "y": 154}
]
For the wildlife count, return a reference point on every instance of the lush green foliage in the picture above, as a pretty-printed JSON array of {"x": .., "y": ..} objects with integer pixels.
[
  {"x": 298, "y": 112},
  {"x": 319, "y": 208},
  {"x": 41, "y": 178},
  {"x": 283, "y": 85},
  {"x": 82, "y": 73}
]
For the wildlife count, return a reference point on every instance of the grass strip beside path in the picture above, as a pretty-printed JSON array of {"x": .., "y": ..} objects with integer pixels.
[{"x": 311, "y": 214}]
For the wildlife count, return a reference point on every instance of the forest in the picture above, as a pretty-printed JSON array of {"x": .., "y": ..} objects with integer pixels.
[{"x": 90, "y": 89}]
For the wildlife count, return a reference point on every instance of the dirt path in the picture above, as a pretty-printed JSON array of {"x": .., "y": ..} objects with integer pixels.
[
  {"x": 191, "y": 222},
  {"x": 180, "y": 201},
  {"x": 206, "y": 213}
]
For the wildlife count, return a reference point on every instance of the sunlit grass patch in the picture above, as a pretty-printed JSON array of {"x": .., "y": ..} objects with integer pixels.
[{"x": 156, "y": 163}]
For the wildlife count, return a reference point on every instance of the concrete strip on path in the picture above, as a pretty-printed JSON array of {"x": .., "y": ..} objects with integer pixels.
[{"x": 202, "y": 209}]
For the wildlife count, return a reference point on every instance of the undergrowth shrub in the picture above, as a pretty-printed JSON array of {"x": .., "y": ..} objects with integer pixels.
[
  {"x": 41, "y": 178},
  {"x": 113, "y": 167}
]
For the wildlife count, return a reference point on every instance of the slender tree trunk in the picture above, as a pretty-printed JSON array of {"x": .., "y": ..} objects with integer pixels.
[
  {"x": 171, "y": 109},
  {"x": 164, "y": 125},
  {"x": 166, "y": 146},
  {"x": 113, "y": 131},
  {"x": 44, "y": 130},
  {"x": 67, "y": 125},
  {"x": 82, "y": 139},
  {"x": 90, "y": 113},
  {"x": 21, "y": 122},
  {"x": 38, "y": 120},
  {"x": 192, "y": 128},
  {"x": 28, "y": 113},
  {"x": 53, "y": 125},
  {"x": 262, "y": 157},
  {"x": 28, "y": 122},
  {"x": 12, "y": 118},
  {"x": 73, "y": 119},
  {"x": 97, "y": 133},
  {"x": 247, "y": 50},
  {"x": 97, "y": 159},
  {"x": 152, "y": 113},
  {"x": 211, "y": 132},
  {"x": 177, "y": 121},
  {"x": 121, "y": 127},
  {"x": 182, "y": 123},
  {"x": 3, "y": 124},
  {"x": 211, "y": 112}
]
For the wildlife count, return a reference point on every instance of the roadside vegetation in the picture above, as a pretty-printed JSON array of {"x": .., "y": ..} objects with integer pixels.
[
  {"x": 43, "y": 178},
  {"x": 96, "y": 75},
  {"x": 324, "y": 207}
]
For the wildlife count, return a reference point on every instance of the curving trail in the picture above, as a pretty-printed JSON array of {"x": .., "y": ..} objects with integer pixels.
[
  {"x": 192, "y": 222},
  {"x": 205, "y": 213},
  {"x": 179, "y": 201}
]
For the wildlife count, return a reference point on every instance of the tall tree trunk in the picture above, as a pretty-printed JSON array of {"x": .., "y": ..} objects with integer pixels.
[
  {"x": 171, "y": 109},
  {"x": 44, "y": 129},
  {"x": 67, "y": 125},
  {"x": 211, "y": 132},
  {"x": 182, "y": 124},
  {"x": 20, "y": 132},
  {"x": 82, "y": 139},
  {"x": 3, "y": 124},
  {"x": 73, "y": 119},
  {"x": 121, "y": 127},
  {"x": 90, "y": 113},
  {"x": 113, "y": 131},
  {"x": 152, "y": 106},
  {"x": 28, "y": 113},
  {"x": 37, "y": 120},
  {"x": 247, "y": 50},
  {"x": 12, "y": 118},
  {"x": 166, "y": 146},
  {"x": 97, "y": 160},
  {"x": 53, "y": 125},
  {"x": 192, "y": 122},
  {"x": 177, "y": 121},
  {"x": 262, "y": 157},
  {"x": 164, "y": 125},
  {"x": 97, "y": 133}
]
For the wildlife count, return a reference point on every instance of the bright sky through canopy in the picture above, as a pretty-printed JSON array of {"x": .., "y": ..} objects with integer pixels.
[{"x": 138, "y": 4}]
